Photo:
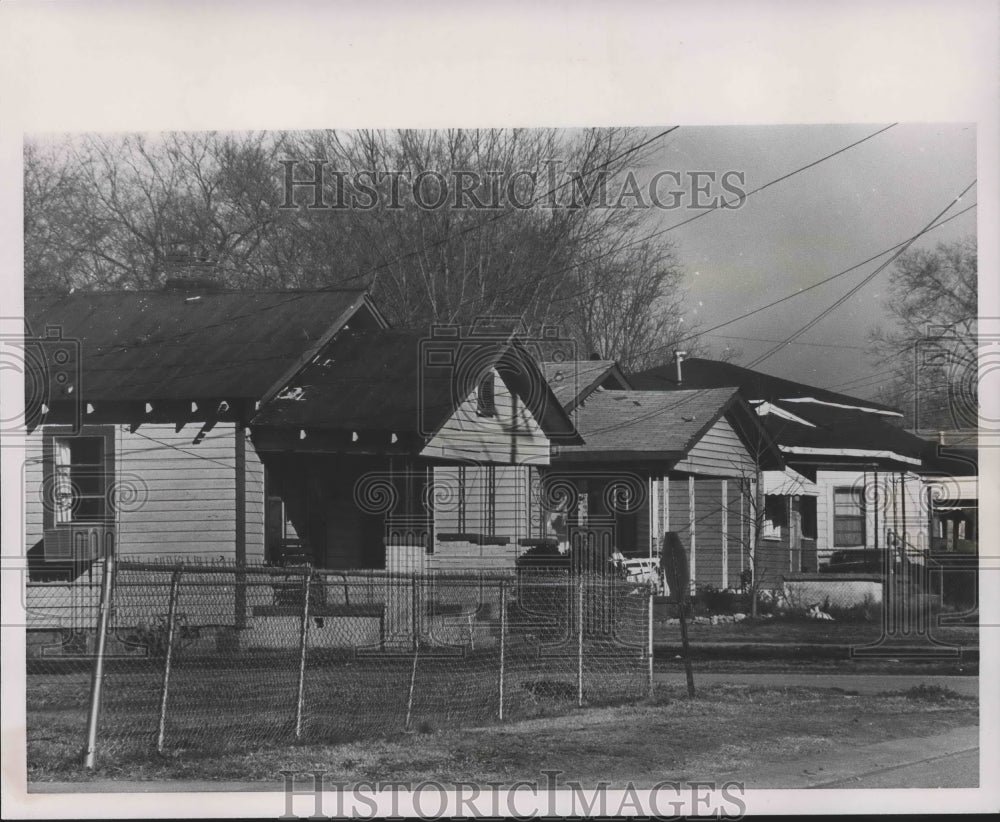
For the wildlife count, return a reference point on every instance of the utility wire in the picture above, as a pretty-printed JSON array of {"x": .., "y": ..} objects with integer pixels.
[{"x": 851, "y": 292}]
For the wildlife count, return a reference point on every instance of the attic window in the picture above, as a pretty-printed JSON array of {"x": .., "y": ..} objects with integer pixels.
[{"x": 485, "y": 399}]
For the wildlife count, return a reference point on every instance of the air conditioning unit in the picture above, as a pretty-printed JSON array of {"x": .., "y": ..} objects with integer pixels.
[{"x": 78, "y": 543}]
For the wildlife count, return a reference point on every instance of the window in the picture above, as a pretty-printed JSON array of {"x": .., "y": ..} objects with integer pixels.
[
  {"x": 79, "y": 474},
  {"x": 808, "y": 509},
  {"x": 848, "y": 518},
  {"x": 485, "y": 398},
  {"x": 774, "y": 517}
]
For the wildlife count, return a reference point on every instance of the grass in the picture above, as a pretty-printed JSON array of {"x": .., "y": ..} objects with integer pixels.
[
  {"x": 800, "y": 631},
  {"x": 727, "y": 728}
]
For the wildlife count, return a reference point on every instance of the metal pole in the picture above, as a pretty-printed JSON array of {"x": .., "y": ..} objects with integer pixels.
[
  {"x": 579, "y": 645},
  {"x": 303, "y": 642},
  {"x": 649, "y": 641},
  {"x": 416, "y": 649},
  {"x": 175, "y": 584},
  {"x": 503, "y": 637},
  {"x": 97, "y": 674}
]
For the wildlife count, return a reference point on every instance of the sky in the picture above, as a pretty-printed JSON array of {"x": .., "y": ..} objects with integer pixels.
[{"x": 811, "y": 226}]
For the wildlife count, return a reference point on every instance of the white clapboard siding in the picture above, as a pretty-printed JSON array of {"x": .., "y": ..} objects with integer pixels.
[
  {"x": 901, "y": 508},
  {"x": 720, "y": 453},
  {"x": 255, "y": 503},
  {"x": 32, "y": 489},
  {"x": 510, "y": 436}
]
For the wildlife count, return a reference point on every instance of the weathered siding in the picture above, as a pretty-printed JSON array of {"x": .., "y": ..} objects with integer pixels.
[
  {"x": 708, "y": 517},
  {"x": 510, "y": 508},
  {"x": 720, "y": 453},
  {"x": 510, "y": 436},
  {"x": 174, "y": 498},
  {"x": 736, "y": 532}
]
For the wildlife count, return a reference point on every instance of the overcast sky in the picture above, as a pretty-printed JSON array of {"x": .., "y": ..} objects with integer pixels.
[{"x": 809, "y": 227}]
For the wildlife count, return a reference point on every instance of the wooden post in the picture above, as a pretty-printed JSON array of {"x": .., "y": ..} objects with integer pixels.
[
  {"x": 303, "y": 644},
  {"x": 579, "y": 644},
  {"x": 240, "y": 594},
  {"x": 675, "y": 567},
  {"x": 503, "y": 640},
  {"x": 97, "y": 673},
  {"x": 175, "y": 584}
]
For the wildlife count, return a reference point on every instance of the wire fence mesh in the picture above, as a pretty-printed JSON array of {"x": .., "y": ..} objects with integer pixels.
[{"x": 216, "y": 658}]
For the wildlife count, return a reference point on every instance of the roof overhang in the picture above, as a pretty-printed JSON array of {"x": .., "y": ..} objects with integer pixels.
[{"x": 850, "y": 453}]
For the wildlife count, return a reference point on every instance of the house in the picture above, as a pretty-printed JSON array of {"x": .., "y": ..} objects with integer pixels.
[
  {"x": 200, "y": 425},
  {"x": 656, "y": 462},
  {"x": 852, "y": 478}
]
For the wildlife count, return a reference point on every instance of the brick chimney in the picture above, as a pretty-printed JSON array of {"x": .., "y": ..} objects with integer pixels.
[{"x": 190, "y": 269}]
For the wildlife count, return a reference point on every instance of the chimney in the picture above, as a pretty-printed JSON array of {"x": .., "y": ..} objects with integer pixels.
[
  {"x": 678, "y": 359},
  {"x": 187, "y": 269},
  {"x": 941, "y": 438}
]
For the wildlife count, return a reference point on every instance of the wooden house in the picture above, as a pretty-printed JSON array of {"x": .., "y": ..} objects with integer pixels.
[
  {"x": 199, "y": 425},
  {"x": 852, "y": 479},
  {"x": 652, "y": 463}
]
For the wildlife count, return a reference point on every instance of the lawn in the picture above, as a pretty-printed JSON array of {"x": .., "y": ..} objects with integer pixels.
[
  {"x": 724, "y": 730},
  {"x": 799, "y": 631}
]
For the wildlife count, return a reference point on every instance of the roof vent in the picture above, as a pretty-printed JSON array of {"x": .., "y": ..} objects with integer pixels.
[{"x": 678, "y": 359}]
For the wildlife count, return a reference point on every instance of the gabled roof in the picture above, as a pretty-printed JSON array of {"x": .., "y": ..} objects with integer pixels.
[
  {"x": 180, "y": 345},
  {"x": 655, "y": 426},
  {"x": 387, "y": 380},
  {"x": 574, "y": 380},
  {"x": 815, "y": 431},
  {"x": 754, "y": 385}
]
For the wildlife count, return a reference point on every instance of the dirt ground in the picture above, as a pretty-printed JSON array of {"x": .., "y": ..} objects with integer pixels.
[{"x": 727, "y": 728}]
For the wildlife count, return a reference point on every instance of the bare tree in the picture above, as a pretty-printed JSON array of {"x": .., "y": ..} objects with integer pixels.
[
  {"x": 104, "y": 211},
  {"x": 932, "y": 346}
]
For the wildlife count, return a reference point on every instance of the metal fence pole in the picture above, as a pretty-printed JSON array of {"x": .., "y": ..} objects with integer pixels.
[
  {"x": 175, "y": 584},
  {"x": 579, "y": 645},
  {"x": 416, "y": 649},
  {"x": 97, "y": 673},
  {"x": 303, "y": 642},
  {"x": 503, "y": 638},
  {"x": 649, "y": 641}
]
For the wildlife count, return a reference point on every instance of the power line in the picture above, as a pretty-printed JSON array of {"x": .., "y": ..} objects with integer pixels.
[
  {"x": 801, "y": 291},
  {"x": 708, "y": 211},
  {"x": 851, "y": 292},
  {"x": 762, "y": 339}
]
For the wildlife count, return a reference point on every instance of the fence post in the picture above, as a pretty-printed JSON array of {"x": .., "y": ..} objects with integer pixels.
[
  {"x": 97, "y": 673},
  {"x": 503, "y": 638},
  {"x": 303, "y": 642},
  {"x": 416, "y": 648},
  {"x": 175, "y": 583},
  {"x": 649, "y": 641},
  {"x": 579, "y": 644}
]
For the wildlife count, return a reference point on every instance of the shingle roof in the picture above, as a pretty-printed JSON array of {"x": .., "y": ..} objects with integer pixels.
[
  {"x": 841, "y": 428},
  {"x": 662, "y": 425},
  {"x": 385, "y": 380},
  {"x": 754, "y": 385},
  {"x": 569, "y": 379},
  {"x": 144, "y": 345}
]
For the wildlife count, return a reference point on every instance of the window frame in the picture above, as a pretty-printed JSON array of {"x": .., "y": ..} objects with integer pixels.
[
  {"x": 862, "y": 517},
  {"x": 105, "y": 468},
  {"x": 486, "y": 400}
]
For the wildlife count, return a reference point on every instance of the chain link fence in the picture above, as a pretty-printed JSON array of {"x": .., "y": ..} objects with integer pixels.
[{"x": 220, "y": 658}]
